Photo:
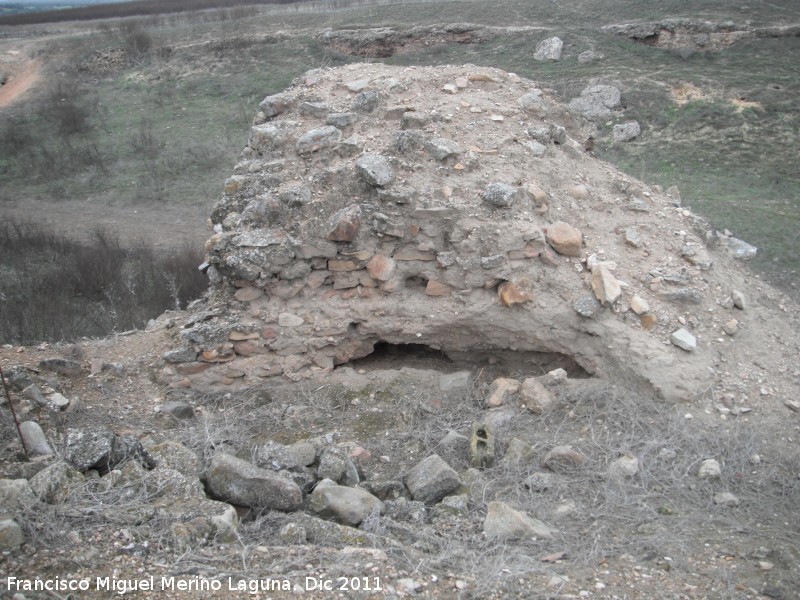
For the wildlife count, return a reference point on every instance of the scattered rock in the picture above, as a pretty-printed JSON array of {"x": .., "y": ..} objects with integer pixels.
[
  {"x": 683, "y": 340},
  {"x": 500, "y": 195},
  {"x": 726, "y": 500},
  {"x": 62, "y": 366},
  {"x": 35, "y": 440},
  {"x": 624, "y": 467},
  {"x": 606, "y": 287},
  {"x": 458, "y": 381},
  {"x": 625, "y": 132},
  {"x": 549, "y": 49},
  {"x": 564, "y": 238},
  {"x": 731, "y": 327},
  {"x": 563, "y": 458},
  {"x": 239, "y": 482},
  {"x": 516, "y": 291},
  {"x": 738, "y": 300},
  {"x": 501, "y": 391},
  {"x": 589, "y": 56},
  {"x": 431, "y": 480},
  {"x": 52, "y": 484},
  {"x": 375, "y": 170},
  {"x": 366, "y": 101},
  {"x": 441, "y": 148},
  {"x": 709, "y": 469},
  {"x": 586, "y": 306},
  {"x": 535, "y": 397},
  {"x": 11, "y": 536},
  {"x": 504, "y": 523},
  {"x": 596, "y": 102},
  {"x": 639, "y": 305},
  {"x": 177, "y": 409},
  {"x": 347, "y": 505}
]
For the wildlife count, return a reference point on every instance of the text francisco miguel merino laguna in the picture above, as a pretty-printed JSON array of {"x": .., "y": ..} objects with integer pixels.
[{"x": 155, "y": 584}]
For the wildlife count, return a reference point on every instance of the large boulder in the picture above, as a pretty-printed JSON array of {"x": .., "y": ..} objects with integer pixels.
[
  {"x": 239, "y": 482},
  {"x": 432, "y": 479}
]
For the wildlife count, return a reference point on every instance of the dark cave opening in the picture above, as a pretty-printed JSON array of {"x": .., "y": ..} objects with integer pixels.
[{"x": 489, "y": 362}]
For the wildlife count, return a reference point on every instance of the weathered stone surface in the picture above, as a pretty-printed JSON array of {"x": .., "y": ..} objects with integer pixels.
[
  {"x": 366, "y": 101},
  {"x": 15, "y": 495},
  {"x": 286, "y": 319},
  {"x": 177, "y": 409},
  {"x": 519, "y": 454},
  {"x": 347, "y": 505},
  {"x": 441, "y": 148},
  {"x": 335, "y": 464},
  {"x": 239, "y": 482},
  {"x": 381, "y": 267},
  {"x": 505, "y": 523},
  {"x": 586, "y": 306},
  {"x": 34, "y": 439},
  {"x": 639, "y": 305},
  {"x": 563, "y": 458},
  {"x": 589, "y": 56},
  {"x": 501, "y": 391},
  {"x": 11, "y": 535},
  {"x": 431, "y": 480},
  {"x": 516, "y": 291},
  {"x": 274, "y": 105},
  {"x": 535, "y": 397},
  {"x": 533, "y": 103},
  {"x": 437, "y": 288},
  {"x": 62, "y": 366},
  {"x": 174, "y": 455},
  {"x": 606, "y": 287},
  {"x": 726, "y": 500},
  {"x": 596, "y": 102},
  {"x": 375, "y": 170},
  {"x": 625, "y": 132},
  {"x": 683, "y": 340},
  {"x": 460, "y": 380},
  {"x": 341, "y": 119},
  {"x": 52, "y": 484},
  {"x": 709, "y": 469},
  {"x": 344, "y": 224},
  {"x": 624, "y": 467},
  {"x": 564, "y": 238},
  {"x": 180, "y": 355},
  {"x": 318, "y": 139},
  {"x": 500, "y": 194},
  {"x": 549, "y": 50},
  {"x": 738, "y": 249}
]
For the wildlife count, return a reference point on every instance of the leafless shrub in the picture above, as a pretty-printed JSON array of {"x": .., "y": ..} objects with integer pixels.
[{"x": 56, "y": 288}]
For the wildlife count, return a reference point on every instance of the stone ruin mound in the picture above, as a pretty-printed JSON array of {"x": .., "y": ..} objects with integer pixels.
[{"x": 451, "y": 210}]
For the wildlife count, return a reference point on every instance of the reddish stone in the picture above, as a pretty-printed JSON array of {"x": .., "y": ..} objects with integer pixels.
[
  {"x": 564, "y": 238},
  {"x": 344, "y": 224},
  {"x": 269, "y": 332},
  {"x": 381, "y": 267},
  {"x": 516, "y": 291},
  {"x": 192, "y": 368},
  {"x": 342, "y": 265},
  {"x": 437, "y": 288}
]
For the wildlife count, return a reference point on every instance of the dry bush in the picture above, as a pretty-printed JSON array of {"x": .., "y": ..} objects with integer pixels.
[{"x": 55, "y": 288}]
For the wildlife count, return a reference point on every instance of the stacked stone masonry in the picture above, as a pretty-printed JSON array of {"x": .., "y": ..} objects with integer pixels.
[{"x": 407, "y": 205}]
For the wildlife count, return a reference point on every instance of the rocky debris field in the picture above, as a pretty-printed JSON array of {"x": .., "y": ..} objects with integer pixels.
[{"x": 445, "y": 353}]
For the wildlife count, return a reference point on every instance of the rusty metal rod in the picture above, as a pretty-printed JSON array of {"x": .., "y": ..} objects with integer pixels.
[{"x": 14, "y": 413}]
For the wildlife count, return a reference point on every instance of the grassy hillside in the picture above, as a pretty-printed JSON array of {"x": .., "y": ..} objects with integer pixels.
[{"x": 156, "y": 110}]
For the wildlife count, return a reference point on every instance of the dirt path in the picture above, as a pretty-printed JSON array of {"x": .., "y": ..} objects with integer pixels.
[{"x": 25, "y": 77}]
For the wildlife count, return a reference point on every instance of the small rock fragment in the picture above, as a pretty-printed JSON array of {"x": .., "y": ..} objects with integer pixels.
[{"x": 683, "y": 340}]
